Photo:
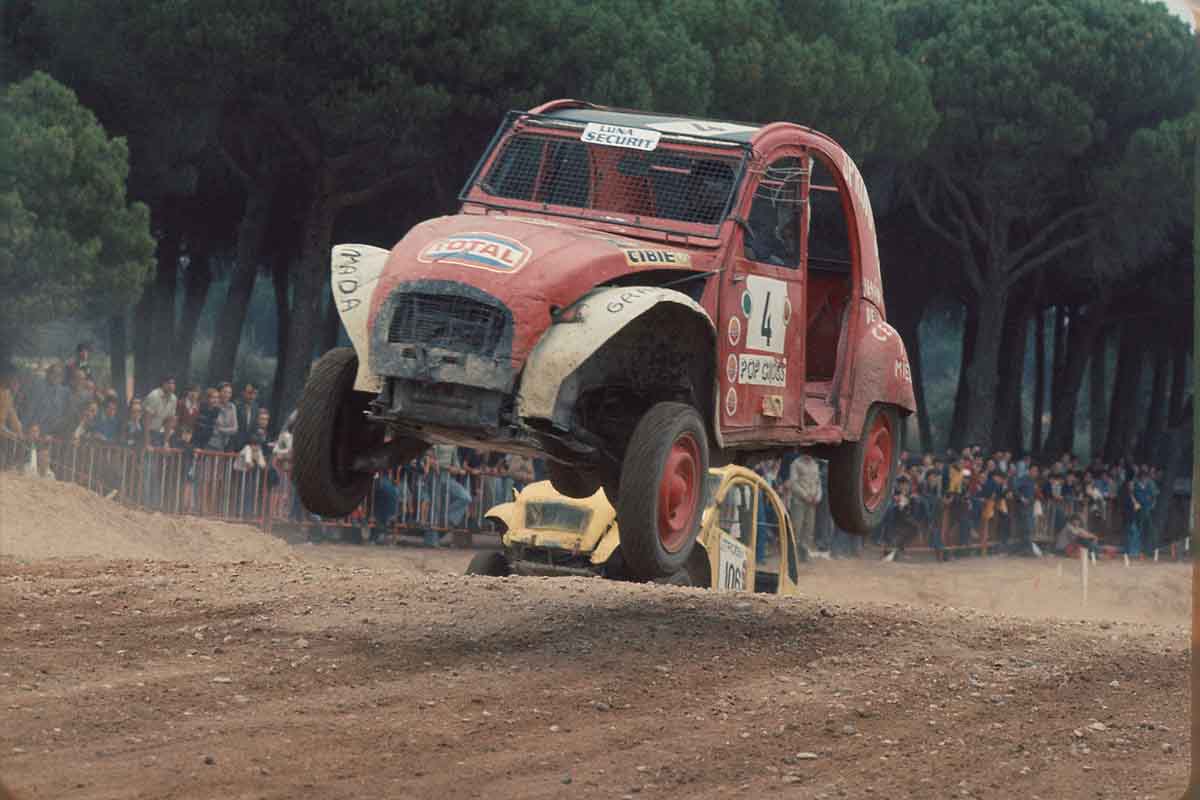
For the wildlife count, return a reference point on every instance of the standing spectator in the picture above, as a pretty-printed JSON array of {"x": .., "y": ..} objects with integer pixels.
[
  {"x": 187, "y": 469},
  {"x": 1146, "y": 494},
  {"x": 932, "y": 511},
  {"x": 85, "y": 427},
  {"x": 80, "y": 362},
  {"x": 205, "y": 426},
  {"x": 1129, "y": 511},
  {"x": 902, "y": 520},
  {"x": 188, "y": 407},
  {"x": 448, "y": 491},
  {"x": 161, "y": 403},
  {"x": 247, "y": 411},
  {"x": 9, "y": 421},
  {"x": 804, "y": 494},
  {"x": 225, "y": 434},
  {"x": 1025, "y": 494},
  {"x": 77, "y": 401},
  {"x": 522, "y": 470}
]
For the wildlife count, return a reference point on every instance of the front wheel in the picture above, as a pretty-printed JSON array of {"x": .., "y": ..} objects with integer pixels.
[
  {"x": 662, "y": 491},
  {"x": 330, "y": 429},
  {"x": 491, "y": 563},
  {"x": 861, "y": 474}
]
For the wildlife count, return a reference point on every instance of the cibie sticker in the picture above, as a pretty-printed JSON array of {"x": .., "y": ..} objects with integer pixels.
[
  {"x": 482, "y": 250},
  {"x": 657, "y": 258},
  {"x": 620, "y": 136},
  {"x": 762, "y": 370}
]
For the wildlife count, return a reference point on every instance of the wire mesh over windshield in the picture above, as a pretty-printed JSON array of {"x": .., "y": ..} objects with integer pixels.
[{"x": 647, "y": 189}]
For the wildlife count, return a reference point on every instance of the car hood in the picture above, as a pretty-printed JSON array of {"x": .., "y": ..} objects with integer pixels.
[{"x": 528, "y": 263}]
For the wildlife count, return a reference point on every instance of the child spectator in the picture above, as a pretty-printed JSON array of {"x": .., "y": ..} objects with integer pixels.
[
  {"x": 134, "y": 434},
  {"x": 188, "y": 407},
  {"x": 108, "y": 425},
  {"x": 187, "y": 468}
]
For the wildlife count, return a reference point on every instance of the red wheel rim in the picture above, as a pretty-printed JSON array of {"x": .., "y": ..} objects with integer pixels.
[
  {"x": 877, "y": 462},
  {"x": 677, "y": 493}
]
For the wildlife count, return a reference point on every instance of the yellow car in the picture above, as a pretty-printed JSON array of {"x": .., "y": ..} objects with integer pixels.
[{"x": 743, "y": 532}]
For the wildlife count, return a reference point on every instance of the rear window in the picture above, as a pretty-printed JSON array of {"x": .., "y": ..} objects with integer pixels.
[{"x": 567, "y": 177}]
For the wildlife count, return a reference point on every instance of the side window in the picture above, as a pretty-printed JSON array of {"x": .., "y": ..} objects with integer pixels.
[
  {"x": 736, "y": 512},
  {"x": 774, "y": 236},
  {"x": 828, "y": 233},
  {"x": 768, "y": 532}
]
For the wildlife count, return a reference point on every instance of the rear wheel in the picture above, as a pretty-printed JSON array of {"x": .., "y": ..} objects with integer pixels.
[
  {"x": 329, "y": 430},
  {"x": 861, "y": 474},
  {"x": 662, "y": 491},
  {"x": 489, "y": 563}
]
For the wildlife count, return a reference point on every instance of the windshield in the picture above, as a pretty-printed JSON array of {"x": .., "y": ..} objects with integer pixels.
[
  {"x": 550, "y": 170},
  {"x": 556, "y": 516}
]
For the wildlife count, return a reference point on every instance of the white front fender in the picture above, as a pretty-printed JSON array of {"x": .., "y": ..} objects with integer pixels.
[
  {"x": 354, "y": 270},
  {"x": 587, "y": 325}
]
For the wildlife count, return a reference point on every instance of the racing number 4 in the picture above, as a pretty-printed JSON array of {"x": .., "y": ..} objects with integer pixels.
[{"x": 765, "y": 329}]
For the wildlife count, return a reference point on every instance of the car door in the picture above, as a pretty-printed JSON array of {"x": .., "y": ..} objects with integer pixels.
[
  {"x": 762, "y": 305},
  {"x": 731, "y": 540}
]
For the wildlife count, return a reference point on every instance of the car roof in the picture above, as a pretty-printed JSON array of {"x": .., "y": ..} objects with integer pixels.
[{"x": 724, "y": 130}]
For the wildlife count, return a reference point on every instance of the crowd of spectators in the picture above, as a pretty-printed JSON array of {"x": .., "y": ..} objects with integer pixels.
[
  {"x": 964, "y": 500},
  {"x": 954, "y": 502}
]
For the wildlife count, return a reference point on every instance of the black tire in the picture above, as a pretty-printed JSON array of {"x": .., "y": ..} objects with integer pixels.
[
  {"x": 855, "y": 506},
  {"x": 695, "y": 574},
  {"x": 570, "y": 481},
  {"x": 489, "y": 562},
  {"x": 669, "y": 436},
  {"x": 329, "y": 430}
]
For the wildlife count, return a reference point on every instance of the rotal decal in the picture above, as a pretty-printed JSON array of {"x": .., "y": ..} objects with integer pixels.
[
  {"x": 483, "y": 250},
  {"x": 657, "y": 258}
]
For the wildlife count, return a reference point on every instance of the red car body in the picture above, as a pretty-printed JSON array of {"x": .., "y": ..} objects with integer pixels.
[{"x": 797, "y": 354}]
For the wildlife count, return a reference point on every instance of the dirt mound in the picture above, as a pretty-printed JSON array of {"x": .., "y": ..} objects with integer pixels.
[
  {"x": 1046, "y": 588},
  {"x": 42, "y": 519}
]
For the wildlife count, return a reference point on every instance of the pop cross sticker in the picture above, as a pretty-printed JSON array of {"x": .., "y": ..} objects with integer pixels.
[{"x": 618, "y": 136}]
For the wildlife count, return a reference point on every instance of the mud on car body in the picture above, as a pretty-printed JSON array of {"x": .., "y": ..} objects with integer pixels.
[{"x": 632, "y": 297}]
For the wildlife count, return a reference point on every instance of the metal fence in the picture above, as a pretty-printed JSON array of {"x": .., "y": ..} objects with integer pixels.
[{"x": 217, "y": 485}]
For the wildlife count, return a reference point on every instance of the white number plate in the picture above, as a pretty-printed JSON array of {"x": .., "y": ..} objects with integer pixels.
[
  {"x": 732, "y": 565},
  {"x": 766, "y": 325}
]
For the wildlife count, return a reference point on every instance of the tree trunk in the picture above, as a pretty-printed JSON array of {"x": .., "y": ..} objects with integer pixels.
[
  {"x": 162, "y": 302},
  {"x": 983, "y": 373},
  {"x": 910, "y": 332},
  {"x": 1121, "y": 431},
  {"x": 958, "y": 422},
  {"x": 1065, "y": 397},
  {"x": 279, "y": 281},
  {"x": 304, "y": 319},
  {"x": 143, "y": 369},
  {"x": 1098, "y": 391},
  {"x": 1039, "y": 380},
  {"x": 1006, "y": 427},
  {"x": 1178, "y": 383},
  {"x": 1150, "y": 447},
  {"x": 118, "y": 351},
  {"x": 227, "y": 336},
  {"x": 196, "y": 281},
  {"x": 1060, "y": 347}
]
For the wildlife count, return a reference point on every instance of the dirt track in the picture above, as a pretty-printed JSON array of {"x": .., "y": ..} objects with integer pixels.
[{"x": 366, "y": 672}]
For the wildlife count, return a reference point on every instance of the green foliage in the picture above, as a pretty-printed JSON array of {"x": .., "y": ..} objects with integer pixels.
[{"x": 70, "y": 244}]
